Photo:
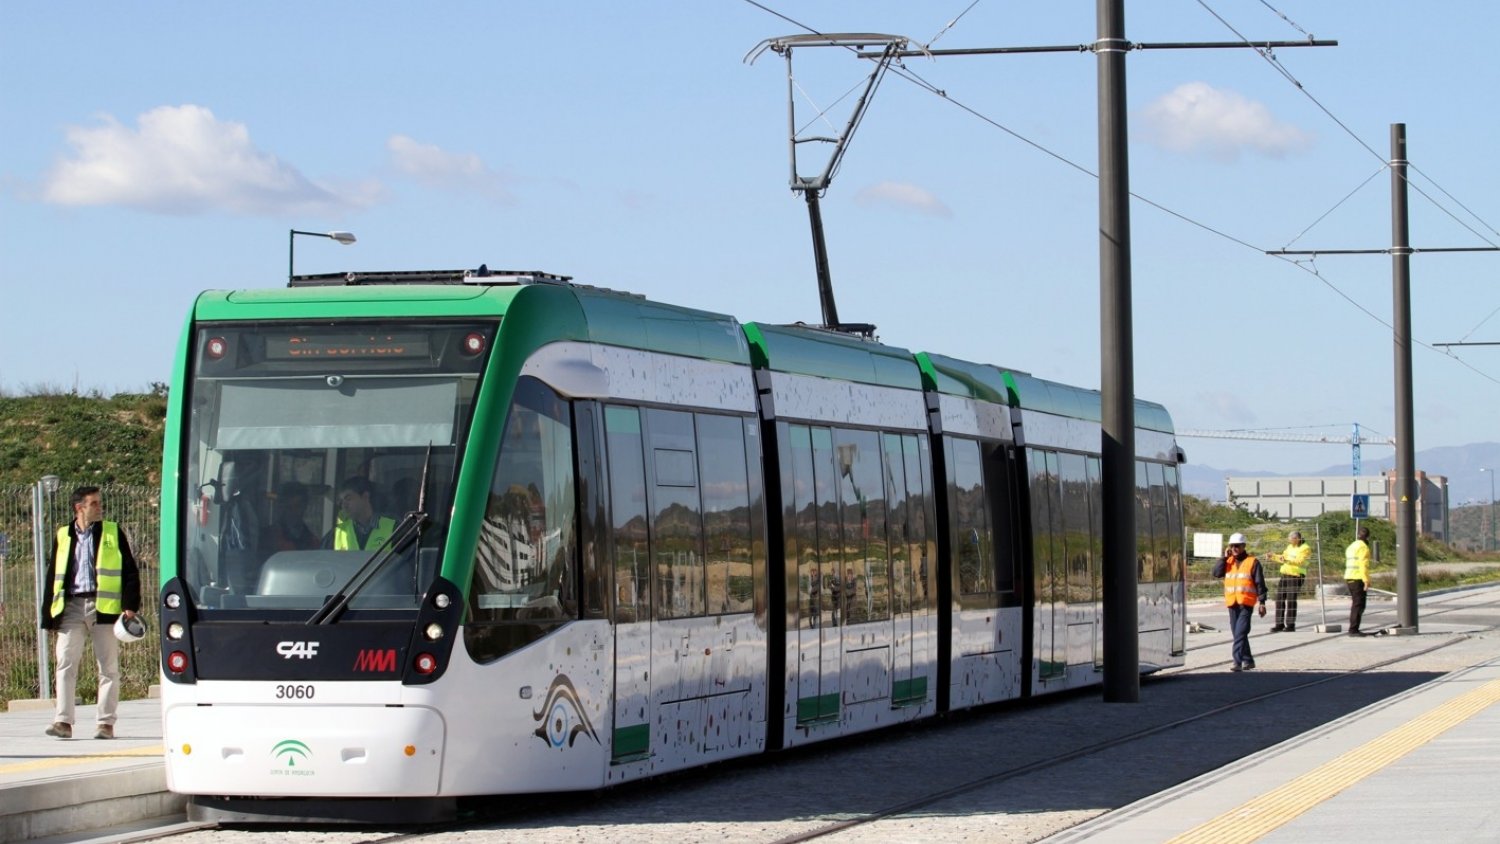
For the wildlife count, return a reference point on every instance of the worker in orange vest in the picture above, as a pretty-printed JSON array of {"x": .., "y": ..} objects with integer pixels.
[{"x": 1244, "y": 592}]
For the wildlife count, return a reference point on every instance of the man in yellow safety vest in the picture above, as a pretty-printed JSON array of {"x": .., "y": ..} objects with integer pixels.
[
  {"x": 92, "y": 581},
  {"x": 357, "y": 527},
  {"x": 1357, "y": 576},
  {"x": 1293, "y": 573}
]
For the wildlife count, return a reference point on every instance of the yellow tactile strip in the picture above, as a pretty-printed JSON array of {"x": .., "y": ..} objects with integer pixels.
[
  {"x": 62, "y": 761},
  {"x": 1260, "y": 816}
]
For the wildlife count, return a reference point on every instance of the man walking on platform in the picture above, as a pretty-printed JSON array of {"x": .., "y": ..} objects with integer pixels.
[
  {"x": 1244, "y": 589},
  {"x": 92, "y": 581},
  {"x": 1293, "y": 573},
  {"x": 1357, "y": 576}
]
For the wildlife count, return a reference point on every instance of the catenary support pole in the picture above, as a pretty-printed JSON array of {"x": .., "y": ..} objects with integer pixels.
[
  {"x": 1405, "y": 491},
  {"x": 1122, "y": 679}
]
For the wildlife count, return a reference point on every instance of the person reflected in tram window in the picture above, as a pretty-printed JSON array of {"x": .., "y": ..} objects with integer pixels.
[
  {"x": 1244, "y": 594},
  {"x": 836, "y": 597},
  {"x": 814, "y": 600},
  {"x": 288, "y": 530},
  {"x": 1357, "y": 577},
  {"x": 358, "y": 528},
  {"x": 851, "y": 594},
  {"x": 1293, "y": 573}
]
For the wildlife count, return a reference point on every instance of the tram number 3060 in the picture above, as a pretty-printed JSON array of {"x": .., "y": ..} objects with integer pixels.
[{"x": 294, "y": 692}]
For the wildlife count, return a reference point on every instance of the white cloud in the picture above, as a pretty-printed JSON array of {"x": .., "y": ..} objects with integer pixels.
[
  {"x": 183, "y": 160},
  {"x": 435, "y": 167},
  {"x": 1198, "y": 117},
  {"x": 903, "y": 195}
]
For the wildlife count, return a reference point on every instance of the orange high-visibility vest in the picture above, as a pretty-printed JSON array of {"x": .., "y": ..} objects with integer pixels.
[{"x": 1239, "y": 586}]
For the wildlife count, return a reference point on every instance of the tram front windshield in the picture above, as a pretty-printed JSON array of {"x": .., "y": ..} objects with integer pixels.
[{"x": 310, "y": 446}]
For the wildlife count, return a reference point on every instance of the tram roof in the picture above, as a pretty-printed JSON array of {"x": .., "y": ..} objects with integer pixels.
[
  {"x": 986, "y": 382},
  {"x": 608, "y": 316},
  {"x": 805, "y": 350}
]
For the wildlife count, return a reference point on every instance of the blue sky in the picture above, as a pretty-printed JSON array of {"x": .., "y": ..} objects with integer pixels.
[{"x": 155, "y": 150}]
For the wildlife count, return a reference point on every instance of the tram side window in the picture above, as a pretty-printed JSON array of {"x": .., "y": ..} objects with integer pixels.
[
  {"x": 525, "y": 563},
  {"x": 676, "y": 520},
  {"x": 1160, "y": 544},
  {"x": 973, "y": 537},
  {"x": 726, "y": 514},
  {"x": 801, "y": 523},
  {"x": 1077, "y": 542},
  {"x": 1175, "y": 537},
  {"x": 627, "y": 499},
  {"x": 1046, "y": 573},
  {"x": 865, "y": 571},
  {"x": 1143, "y": 549}
]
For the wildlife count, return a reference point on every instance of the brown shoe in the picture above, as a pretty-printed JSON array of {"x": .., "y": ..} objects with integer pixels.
[
  {"x": 105, "y": 731},
  {"x": 60, "y": 730}
]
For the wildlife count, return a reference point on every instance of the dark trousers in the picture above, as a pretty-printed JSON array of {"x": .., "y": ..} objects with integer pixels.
[
  {"x": 1239, "y": 625},
  {"x": 1356, "y": 603},
  {"x": 1286, "y": 599}
]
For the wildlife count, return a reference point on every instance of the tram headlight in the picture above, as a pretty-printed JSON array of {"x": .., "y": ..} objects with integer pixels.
[
  {"x": 426, "y": 663},
  {"x": 174, "y": 630},
  {"x": 173, "y": 600},
  {"x": 442, "y": 601},
  {"x": 434, "y": 632},
  {"x": 177, "y": 662}
]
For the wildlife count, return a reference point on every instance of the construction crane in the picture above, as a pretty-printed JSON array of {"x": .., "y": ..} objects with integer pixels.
[{"x": 1354, "y": 440}]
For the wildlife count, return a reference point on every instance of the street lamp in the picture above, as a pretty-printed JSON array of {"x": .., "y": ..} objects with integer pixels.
[
  {"x": 41, "y": 495},
  {"x": 345, "y": 238},
  {"x": 1492, "y": 507}
]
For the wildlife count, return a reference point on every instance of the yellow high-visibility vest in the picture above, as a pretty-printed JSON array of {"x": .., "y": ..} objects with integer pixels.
[{"x": 108, "y": 571}]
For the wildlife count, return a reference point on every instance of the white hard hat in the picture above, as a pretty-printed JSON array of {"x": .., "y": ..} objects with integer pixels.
[
  {"x": 130, "y": 629},
  {"x": 1236, "y": 539}
]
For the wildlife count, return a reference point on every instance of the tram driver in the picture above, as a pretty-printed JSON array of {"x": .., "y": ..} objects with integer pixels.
[{"x": 358, "y": 528}]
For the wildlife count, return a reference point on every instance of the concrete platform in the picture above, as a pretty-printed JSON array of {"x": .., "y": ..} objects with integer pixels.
[{"x": 51, "y": 786}]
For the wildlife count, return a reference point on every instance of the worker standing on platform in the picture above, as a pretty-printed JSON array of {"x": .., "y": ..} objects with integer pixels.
[
  {"x": 1357, "y": 576},
  {"x": 91, "y": 581},
  {"x": 1293, "y": 574},
  {"x": 1244, "y": 590}
]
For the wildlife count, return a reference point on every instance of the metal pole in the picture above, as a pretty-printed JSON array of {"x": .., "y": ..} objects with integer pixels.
[
  {"x": 39, "y": 554},
  {"x": 1322, "y": 594},
  {"x": 1122, "y": 678},
  {"x": 291, "y": 253},
  {"x": 1406, "y": 474}
]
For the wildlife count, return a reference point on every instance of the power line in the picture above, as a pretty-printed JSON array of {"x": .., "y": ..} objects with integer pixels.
[{"x": 901, "y": 70}]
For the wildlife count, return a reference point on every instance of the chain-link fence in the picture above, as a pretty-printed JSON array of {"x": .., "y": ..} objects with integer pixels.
[{"x": 137, "y": 509}]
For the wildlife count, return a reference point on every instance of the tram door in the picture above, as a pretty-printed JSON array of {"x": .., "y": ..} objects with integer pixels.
[
  {"x": 906, "y": 494},
  {"x": 631, "y": 584},
  {"x": 1049, "y": 571},
  {"x": 811, "y": 497}
]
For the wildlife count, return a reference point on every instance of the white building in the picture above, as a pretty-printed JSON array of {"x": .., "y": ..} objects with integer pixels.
[{"x": 1308, "y": 498}]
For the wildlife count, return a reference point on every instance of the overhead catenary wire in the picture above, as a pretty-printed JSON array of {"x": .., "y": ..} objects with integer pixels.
[{"x": 902, "y": 71}]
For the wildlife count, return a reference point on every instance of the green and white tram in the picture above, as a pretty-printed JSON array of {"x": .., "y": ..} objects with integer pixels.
[{"x": 431, "y": 535}]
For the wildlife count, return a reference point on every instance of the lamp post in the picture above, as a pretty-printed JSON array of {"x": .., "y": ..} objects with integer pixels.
[
  {"x": 1492, "y": 507},
  {"x": 41, "y": 495},
  {"x": 345, "y": 238}
]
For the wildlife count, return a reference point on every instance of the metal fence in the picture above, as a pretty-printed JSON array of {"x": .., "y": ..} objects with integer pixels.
[{"x": 137, "y": 509}]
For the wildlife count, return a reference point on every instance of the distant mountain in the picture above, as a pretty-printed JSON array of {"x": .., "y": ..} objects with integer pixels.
[{"x": 1460, "y": 464}]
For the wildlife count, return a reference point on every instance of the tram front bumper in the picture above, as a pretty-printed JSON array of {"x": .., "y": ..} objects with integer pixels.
[{"x": 320, "y": 751}]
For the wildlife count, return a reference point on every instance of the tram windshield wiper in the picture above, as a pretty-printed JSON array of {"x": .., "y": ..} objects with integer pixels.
[{"x": 408, "y": 530}]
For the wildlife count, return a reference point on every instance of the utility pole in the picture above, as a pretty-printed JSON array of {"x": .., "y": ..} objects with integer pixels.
[
  {"x": 1122, "y": 679},
  {"x": 1404, "y": 484},
  {"x": 1122, "y": 667},
  {"x": 1406, "y": 462}
]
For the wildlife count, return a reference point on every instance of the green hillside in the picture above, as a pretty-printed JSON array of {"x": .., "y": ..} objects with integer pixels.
[{"x": 115, "y": 440}]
